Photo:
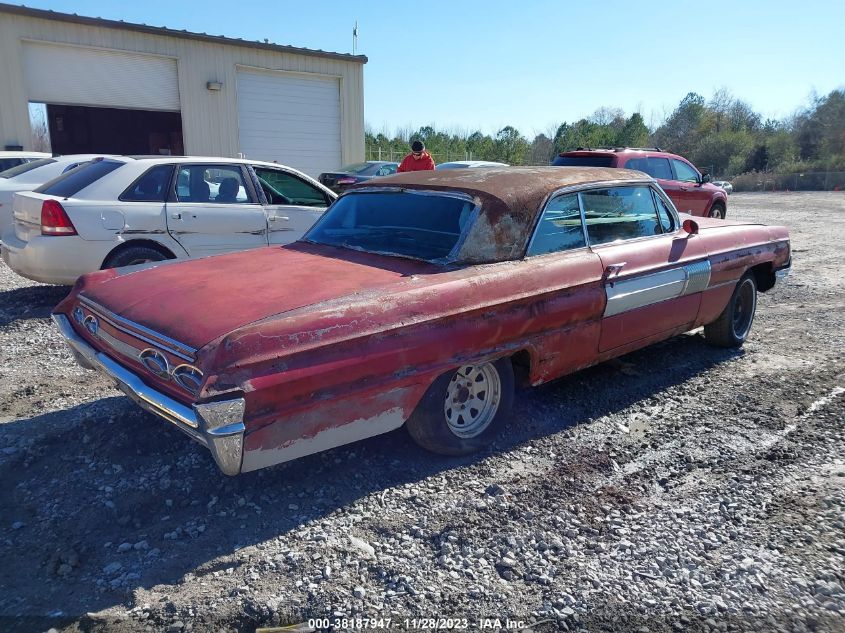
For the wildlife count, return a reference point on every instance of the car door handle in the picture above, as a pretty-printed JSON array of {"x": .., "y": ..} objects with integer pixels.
[
  {"x": 176, "y": 216},
  {"x": 273, "y": 218}
]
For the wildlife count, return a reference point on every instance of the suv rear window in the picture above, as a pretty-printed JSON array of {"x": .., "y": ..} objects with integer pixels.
[
  {"x": 72, "y": 182},
  {"x": 25, "y": 167},
  {"x": 583, "y": 161}
]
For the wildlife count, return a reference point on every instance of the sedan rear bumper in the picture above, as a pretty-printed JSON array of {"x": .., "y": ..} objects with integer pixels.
[{"x": 217, "y": 425}]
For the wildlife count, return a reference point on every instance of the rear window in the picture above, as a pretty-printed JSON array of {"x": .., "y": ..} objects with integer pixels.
[
  {"x": 22, "y": 169},
  {"x": 72, "y": 182},
  {"x": 583, "y": 161},
  {"x": 406, "y": 224}
]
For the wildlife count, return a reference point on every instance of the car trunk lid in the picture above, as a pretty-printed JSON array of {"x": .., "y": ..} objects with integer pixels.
[{"x": 197, "y": 301}]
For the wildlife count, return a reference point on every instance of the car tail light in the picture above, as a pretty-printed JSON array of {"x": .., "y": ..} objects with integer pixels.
[
  {"x": 54, "y": 219},
  {"x": 346, "y": 181}
]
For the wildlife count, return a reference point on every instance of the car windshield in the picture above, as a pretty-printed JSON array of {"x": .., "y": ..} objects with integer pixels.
[
  {"x": 583, "y": 161},
  {"x": 364, "y": 169},
  {"x": 25, "y": 167},
  {"x": 452, "y": 166},
  {"x": 411, "y": 224}
]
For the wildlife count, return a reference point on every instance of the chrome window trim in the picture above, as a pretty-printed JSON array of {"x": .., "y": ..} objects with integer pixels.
[
  {"x": 139, "y": 331},
  {"x": 656, "y": 189},
  {"x": 579, "y": 189},
  {"x": 536, "y": 230}
]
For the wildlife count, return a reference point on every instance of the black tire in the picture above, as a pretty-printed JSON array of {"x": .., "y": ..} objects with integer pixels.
[
  {"x": 134, "y": 255},
  {"x": 430, "y": 426},
  {"x": 734, "y": 324},
  {"x": 718, "y": 211}
]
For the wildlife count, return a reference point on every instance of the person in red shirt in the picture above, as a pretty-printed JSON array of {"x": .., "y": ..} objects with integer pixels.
[{"x": 417, "y": 160}]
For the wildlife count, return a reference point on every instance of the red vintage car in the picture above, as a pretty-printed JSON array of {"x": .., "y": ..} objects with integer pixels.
[{"x": 419, "y": 300}]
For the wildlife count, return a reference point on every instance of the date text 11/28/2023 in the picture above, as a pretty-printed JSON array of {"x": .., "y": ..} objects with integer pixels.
[{"x": 416, "y": 624}]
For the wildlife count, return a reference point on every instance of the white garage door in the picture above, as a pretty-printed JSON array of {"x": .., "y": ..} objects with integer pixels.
[
  {"x": 73, "y": 75},
  {"x": 289, "y": 118}
]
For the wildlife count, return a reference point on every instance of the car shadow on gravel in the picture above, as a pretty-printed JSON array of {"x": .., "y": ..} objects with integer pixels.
[
  {"x": 29, "y": 302},
  {"x": 125, "y": 500}
]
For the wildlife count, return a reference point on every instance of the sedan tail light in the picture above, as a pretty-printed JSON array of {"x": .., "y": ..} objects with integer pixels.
[
  {"x": 346, "y": 181},
  {"x": 54, "y": 219}
]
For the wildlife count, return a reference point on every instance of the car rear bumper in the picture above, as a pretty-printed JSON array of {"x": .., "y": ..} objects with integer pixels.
[
  {"x": 217, "y": 425},
  {"x": 50, "y": 259},
  {"x": 784, "y": 271}
]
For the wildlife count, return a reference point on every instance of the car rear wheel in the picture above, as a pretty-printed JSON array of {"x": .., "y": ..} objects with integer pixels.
[
  {"x": 134, "y": 255},
  {"x": 718, "y": 211},
  {"x": 464, "y": 410},
  {"x": 734, "y": 324}
]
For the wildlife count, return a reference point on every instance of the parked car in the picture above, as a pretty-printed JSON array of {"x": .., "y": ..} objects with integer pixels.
[
  {"x": 122, "y": 211},
  {"x": 29, "y": 176},
  {"x": 463, "y": 164},
  {"x": 724, "y": 184},
  {"x": 13, "y": 159},
  {"x": 419, "y": 300},
  {"x": 691, "y": 191},
  {"x": 345, "y": 177}
]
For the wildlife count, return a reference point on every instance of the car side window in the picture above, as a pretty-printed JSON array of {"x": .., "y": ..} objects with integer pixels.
[
  {"x": 386, "y": 170},
  {"x": 654, "y": 167},
  {"x": 280, "y": 187},
  {"x": 685, "y": 172},
  {"x": 216, "y": 184},
  {"x": 150, "y": 187},
  {"x": 667, "y": 221},
  {"x": 657, "y": 167},
  {"x": 619, "y": 213},
  {"x": 559, "y": 228}
]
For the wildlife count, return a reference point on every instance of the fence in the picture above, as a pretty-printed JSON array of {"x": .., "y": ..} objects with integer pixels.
[{"x": 804, "y": 181}]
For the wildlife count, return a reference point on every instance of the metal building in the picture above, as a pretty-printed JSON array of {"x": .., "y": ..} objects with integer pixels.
[{"x": 116, "y": 87}]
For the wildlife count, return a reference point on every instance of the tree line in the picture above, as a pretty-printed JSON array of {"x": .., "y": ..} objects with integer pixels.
[{"x": 723, "y": 136}]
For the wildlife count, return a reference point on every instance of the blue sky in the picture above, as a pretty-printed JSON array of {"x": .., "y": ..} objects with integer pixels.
[{"x": 481, "y": 65}]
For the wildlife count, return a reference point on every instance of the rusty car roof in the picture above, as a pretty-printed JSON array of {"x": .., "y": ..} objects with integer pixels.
[{"x": 509, "y": 199}]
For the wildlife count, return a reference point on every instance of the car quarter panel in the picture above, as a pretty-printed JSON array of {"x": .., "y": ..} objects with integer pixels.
[
  {"x": 322, "y": 375},
  {"x": 733, "y": 250}
]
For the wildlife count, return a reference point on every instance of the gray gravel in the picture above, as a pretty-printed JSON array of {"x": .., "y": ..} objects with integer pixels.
[{"x": 682, "y": 488}]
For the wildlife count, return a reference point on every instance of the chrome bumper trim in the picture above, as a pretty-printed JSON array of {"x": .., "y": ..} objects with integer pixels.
[
  {"x": 217, "y": 425},
  {"x": 780, "y": 273}
]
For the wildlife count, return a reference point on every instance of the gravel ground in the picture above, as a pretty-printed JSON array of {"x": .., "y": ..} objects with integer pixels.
[{"x": 682, "y": 488}]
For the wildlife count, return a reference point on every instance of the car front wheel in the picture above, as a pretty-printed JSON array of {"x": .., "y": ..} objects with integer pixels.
[
  {"x": 464, "y": 409},
  {"x": 734, "y": 324}
]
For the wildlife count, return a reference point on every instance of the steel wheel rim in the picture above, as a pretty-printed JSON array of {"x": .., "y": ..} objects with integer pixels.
[
  {"x": 716, "y": 213},
  {"x": 744, "y": 307},
  {"x": 472, "y": 400},
  {"x": 135, "y": 262}
]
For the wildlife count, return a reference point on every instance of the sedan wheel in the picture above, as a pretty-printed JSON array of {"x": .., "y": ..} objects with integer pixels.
[
  {"x": 472, "y": 400},
  {"x": 734, "y": 324},
  {"x": 464, "y": 409}
]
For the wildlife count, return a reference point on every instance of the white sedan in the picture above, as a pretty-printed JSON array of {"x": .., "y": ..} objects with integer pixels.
[
  {"x": 122, "y": 211},
  {"x": 13, "y": 159},
  {"x": 28, "y": 176}
]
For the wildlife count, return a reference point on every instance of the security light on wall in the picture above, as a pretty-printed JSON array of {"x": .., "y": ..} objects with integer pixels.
[{"x": 214, "y": 85}]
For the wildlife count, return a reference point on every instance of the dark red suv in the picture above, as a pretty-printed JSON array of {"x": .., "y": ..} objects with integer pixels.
[{"x": 683, "y": 183}]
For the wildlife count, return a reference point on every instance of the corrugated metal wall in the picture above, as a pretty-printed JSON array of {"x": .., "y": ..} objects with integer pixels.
[{"x": 209, "y": 118}]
